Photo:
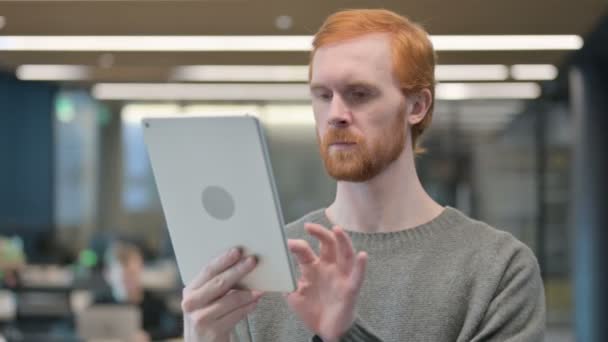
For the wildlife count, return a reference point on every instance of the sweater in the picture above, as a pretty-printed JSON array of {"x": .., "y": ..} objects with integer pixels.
[{"x": 450, "y": 279}]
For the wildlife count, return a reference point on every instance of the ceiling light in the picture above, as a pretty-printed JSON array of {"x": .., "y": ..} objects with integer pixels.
[
  {"x": 290, "y": 91},
  {"x": 533, "y": 72},
  {"x": 283, "y": 22},
  {"x": 485, "y": 72},
  {"x": 184, "y": 91},
  {"x": 507, "y": 42},
  {"x": 502, "y": 90},
  {"x": 241, "y": 73},
  {"x": 299, "y": 115},
  {"x": 155, "y": 43},
  {"x": 221, "y": 109},
  {"x": 106, "y": 60},
  {"x": 135, "y": 112},
  {"x": 46, "y": 72},
  {"x": 268, "y": 43}
]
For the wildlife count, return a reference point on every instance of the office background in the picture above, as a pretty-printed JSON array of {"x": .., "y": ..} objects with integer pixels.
[{"x": 517, "y": 138}]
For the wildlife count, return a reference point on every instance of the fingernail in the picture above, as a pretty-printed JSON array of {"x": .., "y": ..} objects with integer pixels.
[{"x": 248, "y": 261}]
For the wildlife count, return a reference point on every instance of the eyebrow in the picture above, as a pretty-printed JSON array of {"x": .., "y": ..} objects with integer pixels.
[
  {"x": 350, "y": 84},
  {"x": 317, "y": 86}
]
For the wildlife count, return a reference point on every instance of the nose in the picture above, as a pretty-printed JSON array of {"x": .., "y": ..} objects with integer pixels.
[{"x": 339, "y": 113}]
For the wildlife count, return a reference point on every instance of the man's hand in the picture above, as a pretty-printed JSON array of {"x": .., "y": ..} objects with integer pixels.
[
  {"x": 211, "y": 305},
  {"x": 329, "y": 284}
]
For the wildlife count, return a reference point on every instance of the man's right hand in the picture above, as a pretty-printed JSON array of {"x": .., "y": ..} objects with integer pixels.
[{"x": 212, "y": 307}]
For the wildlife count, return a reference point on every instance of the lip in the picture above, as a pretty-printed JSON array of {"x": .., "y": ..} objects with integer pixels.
[
  {"x": 345, "y": 143},
  {"x": 341, "y": 145}
]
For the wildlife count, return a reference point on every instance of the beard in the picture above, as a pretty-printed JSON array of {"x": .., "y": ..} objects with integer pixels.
[{"x": 362, "y": 160}]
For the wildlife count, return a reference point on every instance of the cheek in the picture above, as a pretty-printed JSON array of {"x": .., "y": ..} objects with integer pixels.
[
  {"x": 382, "y": 117},
  {"x": 320, "y": 110},
  {"x": 320, "y": 119}
]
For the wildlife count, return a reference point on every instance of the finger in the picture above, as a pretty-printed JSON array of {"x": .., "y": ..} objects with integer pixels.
[
  {"x": 215, "y": 267},
  {"x": 358, "y": 274},
  {"x": 230, "y": 302},
  {"x": 328, "y": 241},
  {"x": 204, "y": 321},
  {"x": 229, "y": 321},
  {"x": 219, "y": 285},
  {"x": 301, "y": 250},
  {"x": 345, "y": 253}
]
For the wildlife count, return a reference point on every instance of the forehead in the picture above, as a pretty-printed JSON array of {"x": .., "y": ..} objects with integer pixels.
[{"x": 366, "y": 58}]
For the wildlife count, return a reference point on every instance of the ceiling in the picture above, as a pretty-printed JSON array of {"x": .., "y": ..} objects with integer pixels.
[{"x": 257, "y": 17}]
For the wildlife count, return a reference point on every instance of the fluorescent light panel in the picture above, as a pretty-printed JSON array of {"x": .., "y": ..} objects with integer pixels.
[
  {"x": 503, "y": 90},
  {"x": 291, "y": 73},
  {"x": 507, "y": 42},
  {"x": 183, "y": 91},
  {"x": 471, "y": 72},
  {"x": 269, "y": 43},
  {"x": 241, "y": 73},
  {"x": 299, "y": 73},
  {"x": 291, "y": 92},
  {"x": 134, "y": 113},
  {"x": 533, "y": 72},
  {"x": 273, "y": 114},
  {"x": 53, "y": 72},
  {"x": 155, "y": 43}
]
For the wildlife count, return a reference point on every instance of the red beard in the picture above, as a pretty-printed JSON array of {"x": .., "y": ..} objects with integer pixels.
[{"x": 361, "y": 161}]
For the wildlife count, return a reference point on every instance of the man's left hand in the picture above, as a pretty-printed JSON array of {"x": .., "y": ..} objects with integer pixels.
[{"x": 329, "y": 284}]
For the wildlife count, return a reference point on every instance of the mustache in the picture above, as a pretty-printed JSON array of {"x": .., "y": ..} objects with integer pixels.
[{"x": 333, "y": 136}]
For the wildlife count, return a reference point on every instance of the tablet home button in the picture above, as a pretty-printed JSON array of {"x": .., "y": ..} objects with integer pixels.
[{"x": 218, "y": 203}]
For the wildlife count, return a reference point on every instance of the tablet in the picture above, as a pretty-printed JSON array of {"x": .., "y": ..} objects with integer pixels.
[{"x": 217, "y": 191}]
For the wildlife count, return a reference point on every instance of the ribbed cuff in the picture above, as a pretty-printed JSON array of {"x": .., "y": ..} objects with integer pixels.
[{"x": 356, "y": 333}]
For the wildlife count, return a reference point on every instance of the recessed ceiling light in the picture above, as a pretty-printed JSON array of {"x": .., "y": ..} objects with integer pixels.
[
  {"x": 283, "y": 22},
  {"x": 106, "y": 60}
]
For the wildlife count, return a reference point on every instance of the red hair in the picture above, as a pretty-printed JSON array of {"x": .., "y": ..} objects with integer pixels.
[{"x": 412, "y": 51}]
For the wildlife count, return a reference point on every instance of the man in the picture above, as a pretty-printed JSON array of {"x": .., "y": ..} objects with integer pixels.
[
  {"x": 433, "y": 274},
  {"x": 124, "y": 265}
]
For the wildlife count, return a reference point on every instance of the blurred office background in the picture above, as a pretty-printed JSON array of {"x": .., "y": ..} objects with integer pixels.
[{"x": 516, "y": 140}]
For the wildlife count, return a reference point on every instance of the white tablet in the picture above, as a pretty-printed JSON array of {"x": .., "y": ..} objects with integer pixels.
[{"x": 217, "y": 192}]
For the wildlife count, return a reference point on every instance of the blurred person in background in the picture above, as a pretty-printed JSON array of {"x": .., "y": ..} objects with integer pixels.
[
  {"x": 12, "y": 261},
  {"x": 123, "y": 270},
  {"x": 433, "y": 273}
]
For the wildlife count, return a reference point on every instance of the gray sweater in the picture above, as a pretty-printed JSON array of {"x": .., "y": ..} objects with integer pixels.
[{"x": 451, "y": 279}]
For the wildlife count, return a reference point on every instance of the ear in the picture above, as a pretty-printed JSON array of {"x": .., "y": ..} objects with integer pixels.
[{"x": 420, "y": 103}]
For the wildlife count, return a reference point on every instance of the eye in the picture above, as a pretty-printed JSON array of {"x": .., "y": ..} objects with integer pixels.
[
  {"x": 323, "y": 95},
  {"x": 358, "y": 95}
]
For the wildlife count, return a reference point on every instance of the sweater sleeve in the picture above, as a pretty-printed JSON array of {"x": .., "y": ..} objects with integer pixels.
[{"x": 517, "y": 310}]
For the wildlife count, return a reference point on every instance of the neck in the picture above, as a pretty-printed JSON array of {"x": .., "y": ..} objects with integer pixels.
[{"x": 393, "y": 200}]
